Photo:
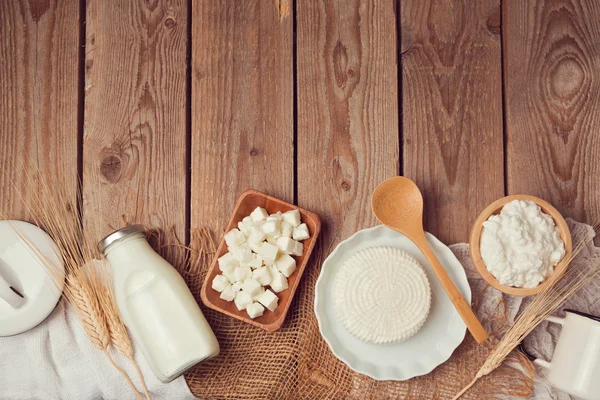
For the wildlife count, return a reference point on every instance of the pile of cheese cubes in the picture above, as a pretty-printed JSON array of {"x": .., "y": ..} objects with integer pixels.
[{"x": 260, "y": 254}]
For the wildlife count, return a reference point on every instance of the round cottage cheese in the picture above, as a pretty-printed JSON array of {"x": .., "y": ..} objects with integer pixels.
[
  {"x": 521, "y": 245},
  {"x": 381, "y": 295}
]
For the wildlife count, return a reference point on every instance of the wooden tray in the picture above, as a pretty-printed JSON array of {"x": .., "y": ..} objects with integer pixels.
[{"x": 269, "y": 321}]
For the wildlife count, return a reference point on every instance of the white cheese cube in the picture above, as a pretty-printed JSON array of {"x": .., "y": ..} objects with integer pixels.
[
  {"x": 230, "y": 274},
  {"x": 234, "y": 238},
  {"x": 286, "y": 265},
  {"x": 269, "y": 300},
  {"x": 270, "y": 228},
  {"x": 277, "y": 216},
  {"x": 292, "y": 217},
  {"x": 228, "y": 294},
  {"x": 254, "y": 264},
  {"x": 287, "y": 245},
  {"x": 273, "y": 270},
  {"x": 227, "y": 262},
  {"x": 298, "y": 249},
  {"x": 262, "y": 275},
  {"x": 245, "y": 229},
  {"x": 272, "y": 240},
  {"x": 286, "y": 229},
  {"x": 251, "y": 286},
  {"x": 256, "y": 235},
  {"x": 220, "y": 282},
  {"x": 259, "y": 214},
  {"x": 242, "y": 300},
  {"x": 258, "y": 294},
  {"x": 269, "y": 253},
  {"x": 301, "y": 232},
  {"x": 255, "y": 247},
  {"x": 242, "y": 273},
  {"x": 243, "y": 255},
  {"x": 236, "y": 286},
  {"x": 279, "y": 283},
  {"x": 255, "y": 310},
  {"x": 248, "y": 222}
]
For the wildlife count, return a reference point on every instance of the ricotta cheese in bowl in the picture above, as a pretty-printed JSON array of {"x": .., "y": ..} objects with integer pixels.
[
  {"x": 381, "y": 295},
  {"x": 521, "y": 245}
]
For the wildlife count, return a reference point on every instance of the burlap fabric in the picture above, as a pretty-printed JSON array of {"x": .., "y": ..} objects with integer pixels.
[{"x": 296, "y": 363}]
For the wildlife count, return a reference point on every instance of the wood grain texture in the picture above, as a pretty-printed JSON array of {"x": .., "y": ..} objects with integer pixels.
[
  {"x": 452, "y": 109},
  {"x": 552, "y": 59},
  {"x": 347, "y": 110},
  {"x": 242, "y": 106},
  {"x": 39, "y": 45},
  {"x": 135, "y": 132}
]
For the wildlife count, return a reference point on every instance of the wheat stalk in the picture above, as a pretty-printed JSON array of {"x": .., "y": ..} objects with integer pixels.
[
  {"x": 559, "y": 289},
  {"x": 85, "y": 289}
]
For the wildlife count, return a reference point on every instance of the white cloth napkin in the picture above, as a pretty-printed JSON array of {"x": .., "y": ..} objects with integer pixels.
[{"x": 56, "y": 361}]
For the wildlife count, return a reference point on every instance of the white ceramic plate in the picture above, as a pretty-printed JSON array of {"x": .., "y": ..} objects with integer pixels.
[
  {"x": 21, "y": 267},
  {"x": 443, "y": 331}
]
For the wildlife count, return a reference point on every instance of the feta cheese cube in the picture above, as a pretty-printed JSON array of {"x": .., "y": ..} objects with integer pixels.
[
  {"x": 254, "y": 264},
  {"x": 245, "y": 229},
  {"x": 258, "y": 294},
  {"x": 292, "y": 217},
  {"x": 234, "y": 238},
  {"x": 230, "y": 274},
  {"x": 286, "y": 229},
  {"x": 255, "y": 310},
  {"x": 228, "y": 294},
  {"x": 227, "y": 262},
  {"x": 255, "y": 247},
  {"x": 272, "y": 240},
  {"x": 286, "y": 265},
  {"x": 242, "y": 300},
  {"x": 251, "y": 286},
  {"x": 262, "y": 275},
  {"x": 236, "y": 286},
  {"x": 270, "y": 228},
  {"x": 242, "y": 273},
  {"x": 269, "y": 300},
  {"x": 298, "y": 249},
  {"x": 288, "y": 245},
  {"x": 268, "y": 252},
  {"x": 220, "y": 282},
  {"x": 243, "y": 255},
  {"x": 256, "y": 235},
  {"x": 301, "y": 232},
  {"x": 279, "y": 283},
  {"x": 277, "y": 216},
  {"x": 248, "y": 222},
  {"x": 259, "y": 214},
  {"x": 273, "y": 270}
]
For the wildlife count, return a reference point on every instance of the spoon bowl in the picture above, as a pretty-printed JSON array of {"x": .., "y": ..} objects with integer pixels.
[{"x": 398, "y": 204}]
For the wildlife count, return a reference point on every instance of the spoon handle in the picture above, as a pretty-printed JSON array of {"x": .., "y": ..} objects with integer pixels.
[{"x": 464, "y": 310}]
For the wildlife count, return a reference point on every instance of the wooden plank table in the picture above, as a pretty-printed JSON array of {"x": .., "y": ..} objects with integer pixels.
[{"x": 168, "y": 110}]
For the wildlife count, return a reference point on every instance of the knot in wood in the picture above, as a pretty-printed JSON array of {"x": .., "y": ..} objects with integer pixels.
[
  {"x": 111, "y": 167},
  {"x": 345, "y": 186},
  {"x": 254, "y": 152},
  {"x": 170, "y": 23}
]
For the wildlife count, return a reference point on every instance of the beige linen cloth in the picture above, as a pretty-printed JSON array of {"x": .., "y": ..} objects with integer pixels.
[
  {"x": 542, "y": 340},
  {"x": 56, "y": 361}
]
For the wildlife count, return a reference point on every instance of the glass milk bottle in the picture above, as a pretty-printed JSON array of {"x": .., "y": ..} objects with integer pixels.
[{"x": 157, "y": 306}]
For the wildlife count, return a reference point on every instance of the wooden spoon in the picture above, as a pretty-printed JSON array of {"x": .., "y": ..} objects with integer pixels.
[{"x": 398, "y": 204}]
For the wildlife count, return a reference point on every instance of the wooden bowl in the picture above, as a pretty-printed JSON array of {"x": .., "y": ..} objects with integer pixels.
[
  {"x": 494, "y": 208},
  {"x": 269, "y": 321}
]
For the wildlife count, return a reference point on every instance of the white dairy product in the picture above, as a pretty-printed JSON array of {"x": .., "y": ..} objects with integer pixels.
[
  {"x": 157, "y": 306},
  {"x": 521, "y": 245},
  {"x": 381, "y": 295}
]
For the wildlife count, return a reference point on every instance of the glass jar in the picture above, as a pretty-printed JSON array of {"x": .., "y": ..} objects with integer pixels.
[{"x": 157, "y": 306}]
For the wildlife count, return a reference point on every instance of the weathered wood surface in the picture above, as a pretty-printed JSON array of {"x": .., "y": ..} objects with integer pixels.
[
  {"x": 39, "y": 47},
  {"x": 134, "y": 139},
  {"x": 452, "y": 110},
  {"x": 242, "y": 106},
  {"x": 347, "y": 138},
  {"x": 552, "y": 81}
]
